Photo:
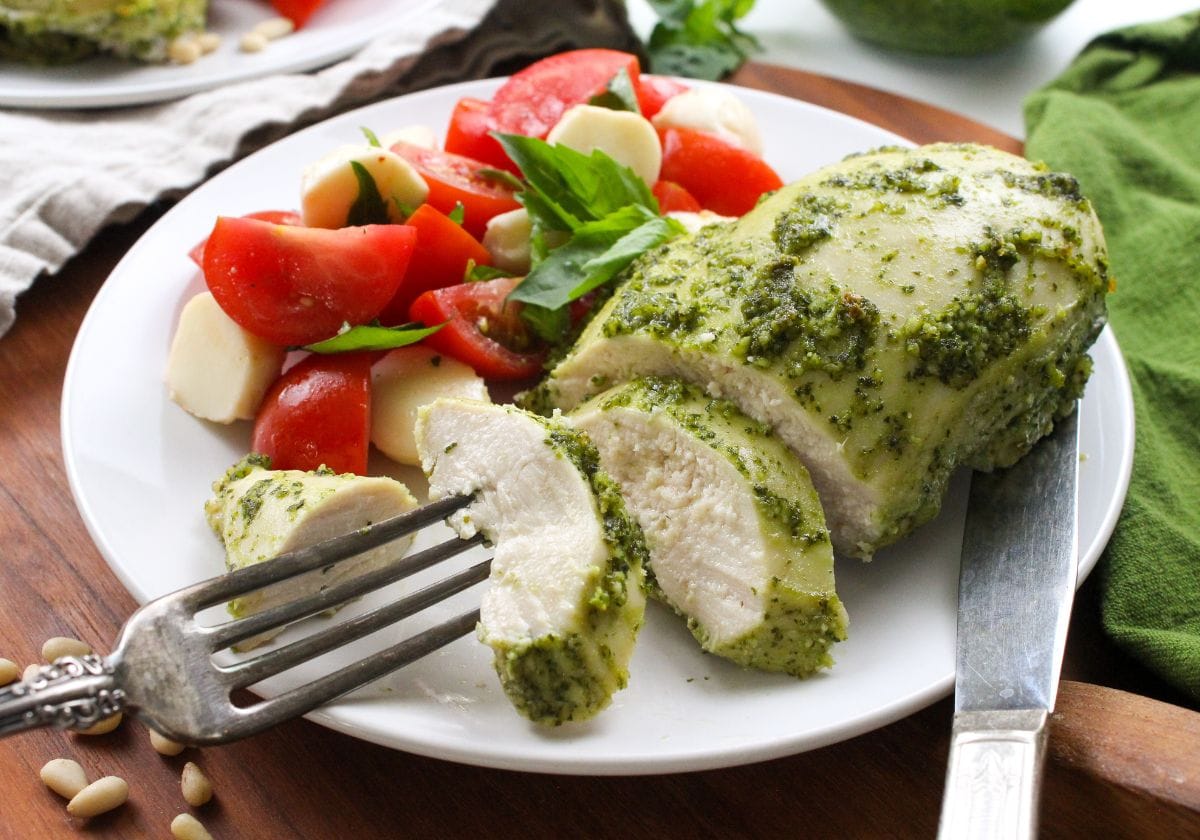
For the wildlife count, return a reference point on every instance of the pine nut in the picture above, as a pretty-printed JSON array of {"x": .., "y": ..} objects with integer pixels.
[
  {"x": 209, "y": 42},
  {"x": 31, "y": 671},
  {"x": 197, "y": 789},
  {"x": 9, "y": 672},
  {"x": 64, "y": 776},
  {"x": 102, "y": 727},
  {"x": 164, "y": 745},
  {"x": 187, "y": 827},
  {"x": 61, "y": 646},
  {"x": 253, "y": 42},
  {"x": 184, "y": 50},
  {"x": 100, "y": 796},
  {"x": 274, "y": 28}
]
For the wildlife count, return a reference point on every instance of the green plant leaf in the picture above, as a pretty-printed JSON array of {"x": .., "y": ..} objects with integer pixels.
[{"x": 372, "y": 337}]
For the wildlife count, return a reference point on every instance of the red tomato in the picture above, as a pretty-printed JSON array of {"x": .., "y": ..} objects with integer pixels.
[
  {"x": 468, "y": 135},
  {"x": 318, "y": 412},
  {"x": 481, "y": 329},
  {"x": 654, "y": 91},
  {"x": 439, "y": 259},
  {"x": 298, "y": 11},
  {"x": 454, "y": 179},
  {"x": 723, "y": 178},
  {"x": 532, "y": 101},
  {"x": 673, "y": 197},
  {"x": 295, "y": 285},
  {"x": 279, "y": 217}
]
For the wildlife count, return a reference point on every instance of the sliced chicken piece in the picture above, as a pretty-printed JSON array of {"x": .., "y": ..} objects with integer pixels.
[
  {"x": 565, "y": 599},
  {"x": 737, "y": 539},
  {"x": 891, "y": 317},
  {"x": 259, "y": 513}
]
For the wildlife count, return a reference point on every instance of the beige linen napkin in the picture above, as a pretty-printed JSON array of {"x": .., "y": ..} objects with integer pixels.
[{"x": 64, "y": 175}]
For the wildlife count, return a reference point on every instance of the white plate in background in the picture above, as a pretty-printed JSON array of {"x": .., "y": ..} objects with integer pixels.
[{"x": 335, "y": 30}]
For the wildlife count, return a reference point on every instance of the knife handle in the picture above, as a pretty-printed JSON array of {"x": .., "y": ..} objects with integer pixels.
[{"x": 994, "y": 775}]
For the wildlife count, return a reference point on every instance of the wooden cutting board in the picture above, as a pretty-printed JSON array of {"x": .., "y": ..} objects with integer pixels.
[{"x": 1121, "y": 765}]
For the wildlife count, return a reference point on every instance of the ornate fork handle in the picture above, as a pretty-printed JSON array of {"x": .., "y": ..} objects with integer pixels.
[{"x": 73, "y": 692}]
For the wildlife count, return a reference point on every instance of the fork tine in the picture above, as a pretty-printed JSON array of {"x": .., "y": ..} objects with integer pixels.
[
  {"x": 307, "y": 697},
  {"x": 227, "y": 586},
  {"x": 269, "y": 664},
  {"x": 232, "y": 632}
]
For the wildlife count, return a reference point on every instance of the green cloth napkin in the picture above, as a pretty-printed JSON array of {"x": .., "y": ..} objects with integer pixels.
[{"x": 1125, "y": 120}]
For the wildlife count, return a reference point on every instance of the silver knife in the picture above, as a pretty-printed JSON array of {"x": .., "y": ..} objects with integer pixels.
[{"x": 1016, "y": 584}]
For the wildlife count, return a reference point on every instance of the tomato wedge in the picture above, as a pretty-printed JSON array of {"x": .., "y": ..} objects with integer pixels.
[
  {"x": 318, "y": 413},
  {"x": 440, "y": 258},
  {"x": 654, "y": 91},
  {"x": 532, "y": 100},
  {"x": 454, "y": 179},
  {"x": 723, "y": 178},
  {"x": 296, "y": 285},
  {"x": 672, "y": 197},
  {"x": 469, "y": 135},
  {"x": 481, "y": 329},
  {"x": 278, "y": 217}
]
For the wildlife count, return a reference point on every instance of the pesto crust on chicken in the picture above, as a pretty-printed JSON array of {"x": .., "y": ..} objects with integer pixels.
[
  {"x": 737, "y": 540},
  {"x": 565, "y": 598},
  {"x": 891, "y": 317},
  {"x": 61, "y": 31}
]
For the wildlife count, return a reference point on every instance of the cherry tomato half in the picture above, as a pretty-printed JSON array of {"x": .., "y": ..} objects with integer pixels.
[
  {"x": 722, "y": 177},
  {"x": 318, "y": 412},
  {"x": 532, "y": 100},
  {"x": 296, "y": 285},
  {"x": 278, "y": 217},
  {"x": 454, "y": 179},
  {"x": 481, "y": 329},
  {"x": 298, "y": 11},
  {"x": 469, "y": 135},
  {"x": 672, "y": 197},
  {"x": 654, "y": 91},
  {"x": 439, "y": 259}
]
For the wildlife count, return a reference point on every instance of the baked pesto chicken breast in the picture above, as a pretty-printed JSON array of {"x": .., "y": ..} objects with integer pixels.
[
  {"x": 890, "y": 317},
  {"x": 565, "y": 597},
  {"x": 61, "y": 31},
  {"x": 737, "y": 540}
]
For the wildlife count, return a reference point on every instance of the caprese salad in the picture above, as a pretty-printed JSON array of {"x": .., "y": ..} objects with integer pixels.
[{"x": 412, "y": 270}]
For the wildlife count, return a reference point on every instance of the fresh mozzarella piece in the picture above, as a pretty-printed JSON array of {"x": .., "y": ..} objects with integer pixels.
[
  {"x": 507, "y": 240},
  {"x": 259, "y": 513},
  {"x": 403, "y": 381},
  {"x": 694, "y": 220},
  {"x": 737, "y": 539},
  {"x": 216, "y": 370},
  {"x": 714, "y": 111},
  {"x": 414, "y": 135},
  {"x": 329, "y": 187},
  {"x": 626, "y": 137},
  {"x": 892, "y": 317},
  {"x": 565, "y": 598}
]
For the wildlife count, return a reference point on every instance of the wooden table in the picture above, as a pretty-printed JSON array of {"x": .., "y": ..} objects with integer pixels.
[{"x": 1122, "y": 765}]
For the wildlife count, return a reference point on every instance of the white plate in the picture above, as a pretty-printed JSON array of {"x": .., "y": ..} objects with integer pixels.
[
  {"x": 140, "y": 469},
  {"x": 337, "y": 29}
]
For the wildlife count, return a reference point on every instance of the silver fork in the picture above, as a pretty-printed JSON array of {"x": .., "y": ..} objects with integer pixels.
[{"x": 162, "y": 670}]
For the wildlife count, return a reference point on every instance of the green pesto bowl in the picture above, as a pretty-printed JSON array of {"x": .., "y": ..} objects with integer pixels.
[{"x": 945, "y": 27}]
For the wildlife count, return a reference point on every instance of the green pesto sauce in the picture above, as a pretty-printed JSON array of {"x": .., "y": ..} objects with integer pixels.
[
  {"x": 804, "y": 329},
  {"x": 954, "y": 344},
  {"x": 809, "y": 220},
  {"x": 919, "y": 177},
  {"x": 626, "y": 545}
]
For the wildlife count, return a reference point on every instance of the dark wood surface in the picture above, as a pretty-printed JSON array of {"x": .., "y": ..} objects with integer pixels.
[{"x": 1123, "y": 759}]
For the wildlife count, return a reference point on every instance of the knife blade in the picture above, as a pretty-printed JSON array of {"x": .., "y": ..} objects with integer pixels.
[{"x": 1016, "y": 585}]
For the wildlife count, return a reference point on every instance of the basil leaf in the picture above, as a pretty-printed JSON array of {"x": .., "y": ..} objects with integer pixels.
[
  {"x": 479, "y": 273},
  {"x": 372, "y": 337},
  {"x": 458, "y": 213},
  {"x": 700, "y": 38},
  {"x": 500, "y": 176},
  {"x": 369, "y": 208},
  {"x": 619, "y": 95},
  {"x": 372, "y": 140},
  {"x": 548, "y": 324}
]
